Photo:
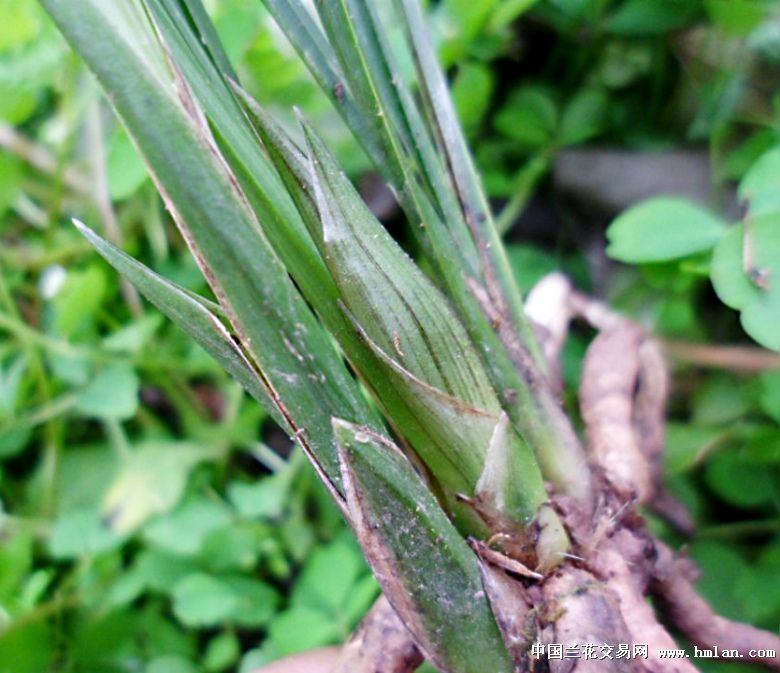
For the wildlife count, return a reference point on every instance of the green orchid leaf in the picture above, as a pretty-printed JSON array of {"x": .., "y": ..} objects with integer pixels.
[
  {"x": 427, "y": 571},
  {"x": 504, "y": 468},
  {"x": 442, "y": 114},
  {"x": 355, "y": 42},
  {"x": 312, "y": 46},
  {"x": 207, "y": 71},
  {"x": 463, "y": 244},
  {"x": 450, "y": 423},
  {"x": 453, "y": 444},
  {"x": 388, "y": 295},
  {"x": 496, "y": 270},
  {"x": 428, "y": 356},
  {"x": 397, "y": 139},
  {"x": 197, "y": 316},
  {"x": 411, "y": 397},
  {"x": 411, "y": 403},
  {"x": 408, "y": 324},
  {"x": 308, "y": 379}
]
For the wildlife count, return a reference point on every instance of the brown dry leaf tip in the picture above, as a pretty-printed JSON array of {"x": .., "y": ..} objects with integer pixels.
[
  {"x": 381, "y": 644},
  {"x": 503, "y": 561}
]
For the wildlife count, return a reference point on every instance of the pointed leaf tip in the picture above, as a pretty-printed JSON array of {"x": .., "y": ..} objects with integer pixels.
[
  {"x": 509, "y": 468},
  {"x": 192, "y": 313},
  {"x": 507, "y": 478},
  {"x": 406, "y": 321},
  {"x": 426, "y": 569}
]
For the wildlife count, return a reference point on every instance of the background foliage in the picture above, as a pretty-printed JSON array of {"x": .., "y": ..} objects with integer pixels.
[{"x": 153, "y": 519}]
